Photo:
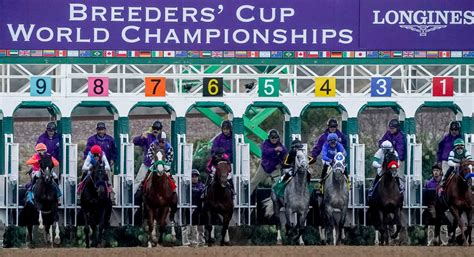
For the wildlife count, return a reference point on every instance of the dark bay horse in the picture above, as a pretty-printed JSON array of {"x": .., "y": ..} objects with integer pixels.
[
  {"x": 458, "y": 201},
  {"x": 219, "y": 201},
  {"x": 388, "y": 202},
  {"x": 45, "y": 201},
  {"x": 295, "y": 199},
  {"x": 158, "y": 200},
  {"x": 96, "y": 205},
  {"x": 335, "y": 200}
]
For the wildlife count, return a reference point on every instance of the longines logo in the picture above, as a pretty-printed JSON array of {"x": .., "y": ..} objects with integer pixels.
[{"x": 423, "y": 21}]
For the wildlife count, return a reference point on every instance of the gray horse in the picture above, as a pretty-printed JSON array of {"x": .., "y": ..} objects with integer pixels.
[
  {"x": 335, "y": 200},
  {"x": 295, "y": 199}
]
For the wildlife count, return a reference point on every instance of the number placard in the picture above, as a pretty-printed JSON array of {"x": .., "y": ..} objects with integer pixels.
[
  {"x": 325, "y": 86},
  {"x": 40, "y": 86},
  {"x": 268, "y": 87},
  {"x": 155, "y": 86},
  {"x": 443, "y": 86},
  {"x": 381, "y": 86},
  {"x": 98, "y": 86},
  {"x": 213, "y": 87}
]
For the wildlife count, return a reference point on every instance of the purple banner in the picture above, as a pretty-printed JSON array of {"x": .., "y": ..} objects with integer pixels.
[{"x": 258, "y": 25}]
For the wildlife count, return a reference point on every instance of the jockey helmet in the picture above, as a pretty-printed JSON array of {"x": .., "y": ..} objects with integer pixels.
[
  {"x": 96, "y": 149},
  {"x": 40, "y": 147},
  {"x": 394, "y": 123},
  {"x": 157, "y": 125},
  {"x": 332, "y": 137},
  {"x": 386, "y": 146},
  {"x": 296, "y": 144},
  {"x": 219, "y": 152},
  {"x": 226, "y": 124},
  {"x": 51, "y": 126},
  {"x": 273, "y": 133},
  {"x": 332, "y": 123},
  {"x": 458, "y": 141},
  {"x": 195, "y": 172},
  {"x": 454, "y": 125}
]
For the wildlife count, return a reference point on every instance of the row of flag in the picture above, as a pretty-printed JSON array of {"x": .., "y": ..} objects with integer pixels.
[{"x": 237, "y": 54}]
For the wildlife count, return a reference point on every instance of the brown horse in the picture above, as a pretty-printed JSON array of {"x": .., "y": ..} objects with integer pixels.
[
  {"x": 458, "y": 201},
  {"x": 158, "y": 200},
  {"x": 219, "y": 201}
]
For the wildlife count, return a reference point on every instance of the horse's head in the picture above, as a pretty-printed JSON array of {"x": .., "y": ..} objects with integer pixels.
[
  {"x": 222, "y": 172},
  {"x": 159, "y": 163},
  {"x": 99, "y": 178},
  {"x": 46, "y": 167},
  {"x": 301, "y": 160},
  {"x": 466, "y": 169},
  {"x": 390, "y": 163},
  {"x": 339, "y": 165}
]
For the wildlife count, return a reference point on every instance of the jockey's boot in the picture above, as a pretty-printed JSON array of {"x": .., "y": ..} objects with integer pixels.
[
  {"x": 442, "y": 184},
  {"x": 209, "y": 180},
  {"x": 231, "y": 185},
  {"x": 323, "y": 177},
  {"x": 84, "y": 174},
  {"x": 286, "y": 176},
  {"x": 401, "y": 185},
  {"x": 371, "y": 189},
  {"x": 174, "y": 206},
  {"x": 308, "y": 177}
]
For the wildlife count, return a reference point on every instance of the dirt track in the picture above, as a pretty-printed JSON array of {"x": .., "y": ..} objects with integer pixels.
[{"x": 264, "y": 251}]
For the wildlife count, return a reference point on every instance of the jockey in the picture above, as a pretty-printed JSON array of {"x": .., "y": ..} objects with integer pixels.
[
  {"x": 289, "y": 161},
  {"x": 95, "y": 157},
  {"x": 218, "y": 156},
  {"x": 378, "y": 160},
  {"x": 458, "y": 154},
  {"x": 330, "y": 149},
  {"x": 224, "y": 140},
  {"x": 41, "y": 151}
]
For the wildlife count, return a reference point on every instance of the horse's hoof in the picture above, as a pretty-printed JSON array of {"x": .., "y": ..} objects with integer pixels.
[
  {"x": 41, "y": 228},
  {"x": 149, "y": 244},
  {"x": 57, "y": 240},
  {"x": 279, "y": 242},
  {"x": 173, "y": 238}
]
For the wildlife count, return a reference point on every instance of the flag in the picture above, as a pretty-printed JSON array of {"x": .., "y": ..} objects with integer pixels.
[
  {"x": 397, "y": 54},
  {"x": 229, "y": 54},
  {"x": 194, "y": 54},
  {"x": 432, "y": 54},
  {"x": 3, "y": 53},
  {"x": 168, "y": 54},
  {"x": 300, "y": 54},
  {"x": 121, "y": 53},
  {"x": 82, "y": 53},
  {"x": 444, "y": 54},
  {"x": 420, "y": 54},
  {"x": 109, "y": 53},
  {"x": 240, "y": 54},
  {"x": 39, "y": 53},
  {"x": 288, "y": 54},
  {"x": 276, "y": 54},
  {"x": 372, "y": 54},
  {"x": 97, "y": 53},
  {"x": 252, "y": 54},
  {"x": 61, "y": 53},
  {"x": 384, "y": 54},
  {"x": 265, "y": 54},
  {"x": 360, "y": 54},
  {"x": 145, "y": 54},
  {"x": 336, "y": 54},
  {"x": 408, "y": 54},
  {"x": 348, "y": 54},
  {"x": 73, "y": 53},
  {"x": 12, "y": 53},
  {"x": 206, "y": 54},
  {"x": 156, "y": 54},
  {"x": 312, "y": 54},
  {"x": 456, "y": 54},
  {"x": 133, "y": 54},
  {"x": 325, "y": 54},
  {"x": 24, "y": 53},
  {"x": 181, "y": 54},
  {"x": 216, "y": 54},
  {"x": 468, "y": 54},
  {"x": 49, "y": 53}
]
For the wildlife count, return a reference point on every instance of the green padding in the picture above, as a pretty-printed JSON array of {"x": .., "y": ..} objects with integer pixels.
[{"x": 279, "y": 189}]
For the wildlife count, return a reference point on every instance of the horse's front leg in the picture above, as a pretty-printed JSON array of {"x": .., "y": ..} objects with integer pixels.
[
  {"x": 301, "y": 225},
  {"x": 29, "y": 236},
  {"x": 152, "y": 239},
  {"x": 225, "y": 229},
  {"x": 86, "y": 229},
  {"x": 163, "y": 214},
  {"x": 457, "y": 221},
  {"x": 469, "y": 225},
  {"x": 209, "y": 228},
  {"x": 276, "y": 213}
]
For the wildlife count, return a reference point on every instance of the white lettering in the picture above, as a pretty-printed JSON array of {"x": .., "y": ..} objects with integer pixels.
[
  {"x": 240, "y": 9},
  {"x": 126, "y": 38},
  {"x": 80, "y": 10},
  {"x": 20, "y": 29}
]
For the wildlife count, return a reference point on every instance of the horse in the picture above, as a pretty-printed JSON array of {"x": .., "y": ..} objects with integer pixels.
[
  {"x": 96, "y": 205},
  {"x": 43, "y": 200},
  {"x": 335, "y": 200},
  {"x": 295, "y": 199},
  {"x": 159, "y": 200},
  {"x": 388, "y": 202},
  {"x": 458, "y": 201},
  {"x": 219, "y": 201}
]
